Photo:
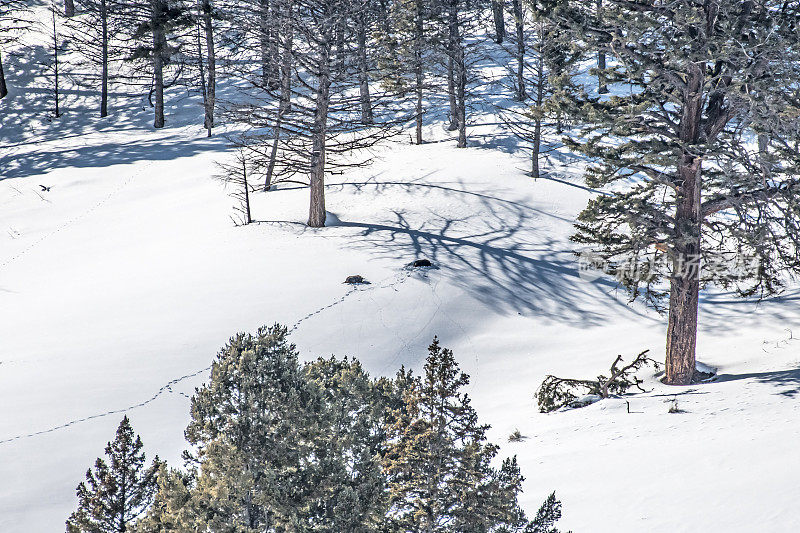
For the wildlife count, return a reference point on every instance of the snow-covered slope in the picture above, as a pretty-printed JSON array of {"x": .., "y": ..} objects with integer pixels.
[{"x": 128, "y": 275}]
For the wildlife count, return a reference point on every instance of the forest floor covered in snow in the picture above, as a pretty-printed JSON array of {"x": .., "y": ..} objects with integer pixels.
[{"x": 119, "y": 284}]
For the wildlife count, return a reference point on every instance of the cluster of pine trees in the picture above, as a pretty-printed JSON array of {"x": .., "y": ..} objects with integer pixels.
[{"x": 283, "y": 446}]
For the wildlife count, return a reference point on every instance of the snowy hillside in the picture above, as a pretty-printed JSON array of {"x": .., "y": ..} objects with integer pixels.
[{"x": 120, "y": 283}]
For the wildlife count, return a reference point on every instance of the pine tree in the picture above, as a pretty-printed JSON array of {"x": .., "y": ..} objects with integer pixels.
[
  {"x": 546, "y": 517},
  {"x": 167, "y": 512},
  {"x": 324, "y": 112},
  {"x": 280, "y": 447},
  {"x": 697, "y": 84},
  {"x": 116, "y": 492},
  {"x": 154, "y": 43},
  {"x": 249, "y": 425},
  {"x": 552, "y": 81},
  {"x": 439, "y": 463},
  {"x": 348, "y": 413},
  {"x": 405, "y": 52},
  {"x": 95, "y": 30}
]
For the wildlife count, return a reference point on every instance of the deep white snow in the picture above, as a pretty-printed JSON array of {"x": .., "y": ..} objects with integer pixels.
[{"x": 129, "y": 274}]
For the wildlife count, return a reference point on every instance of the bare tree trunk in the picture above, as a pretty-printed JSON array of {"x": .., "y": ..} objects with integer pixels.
[
  {"x": 263, "y": 41},
  {"x": 460, "y": 75},
  {"x": 537, "y": 127},
  {"x": 316, "y": 215},
  {"x": 287, "y": 30},
  {"x": 451, "y": 44},
  {"x": 104, "y": 58},
  {"x": 286, "y": 58},
  {"x": 69, "y": 8},
  {"x": 248, "y": 218},
  {"x": 158, "y": 8},
  {"x": 453, "y": 71},
  {"x": 685, "y": 281},
  {"x": 451, "y": 93},
  {"x": 601, "y": 57},
  {"x": 499, "y": 21},
  {"x": 55, "y": 66},
  {"x": 266, "y": 36},
  {"x": 3, "y": 88},
  {"x": 419, "y": 35},
  {"x": 363, "y": 70},
  {"x": 202, "y": 69},
  {"x": 341, "y": 53},
  {"x": 763, "y": 154},
  {"x": 211, "y": 65},
  {"x": 462, "y": 99},
  {"x": 519, "y": 22}
]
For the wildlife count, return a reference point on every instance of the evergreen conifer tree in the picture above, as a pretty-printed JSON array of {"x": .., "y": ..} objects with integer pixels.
[
  {"x": 439, "y": 464},
  {"x": 551, "y": 82},
  {"x": 154, "y": 43},
  {"x": 280, "y": 446},
  {"x": 546, "y": 517},
  {"x": 405, "y": 52},
  {"x": 167, "y": 512},
  {"x": 698, "y": 150},
  {"x": 116, "y": 492}
]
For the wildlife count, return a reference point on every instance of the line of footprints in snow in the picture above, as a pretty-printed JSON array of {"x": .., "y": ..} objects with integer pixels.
[{"x": 354, "y": 280}]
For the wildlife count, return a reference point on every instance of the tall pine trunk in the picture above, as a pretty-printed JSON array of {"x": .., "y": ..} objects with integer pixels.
[
  {"x": 316, "y": 214},
  {"x": 461, "y": 91},
  {"x": 499, "y": 21},
  {"x": 601, "y": 57},
  {"x": 69, "y": 8},
  {"x": 363, "y": 70},
  {"x": 285, "y": 105},
  {"x": 248, "y": 219},
  {"x": 452, "y": 27},
  {"x": 419, "y": 35},
  {"x": 56, "y": 95},
  {"x": 451, "y": 93},
  {"x": 457, "y": 76},
  {"x": 266, "y": 37},
  {"x": 3, "y": 88},
  {"x": 158, "y": 9},
  {"x": 519, "y": 23},
  {"x": 685, "y": 281},
  {"x": 104, "y": 58},
  {"x": 211, "y": 65},
  {"x": 537, "y": 126}
]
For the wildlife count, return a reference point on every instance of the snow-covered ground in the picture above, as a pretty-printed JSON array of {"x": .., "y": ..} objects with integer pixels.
[{"x": 128, "y": 275}]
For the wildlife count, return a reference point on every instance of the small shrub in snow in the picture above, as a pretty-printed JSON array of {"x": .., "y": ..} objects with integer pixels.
[
  {"x": 516, "y": 436},
  {"x": 555, "y": 392},
  {"x": 673, "y": 407}
]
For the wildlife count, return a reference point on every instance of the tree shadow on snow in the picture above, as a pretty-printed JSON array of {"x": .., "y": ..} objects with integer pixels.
[
  {"x": 501, "y": 255},
  {"x": 788, "y": 380},
  {"x": 506, "y": 276},
  {"x": 34, "y": 141},
  {"x": 106, "y": 154}
]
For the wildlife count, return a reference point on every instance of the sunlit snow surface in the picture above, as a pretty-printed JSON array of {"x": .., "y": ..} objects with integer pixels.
[{"x": 129, "y": 274}]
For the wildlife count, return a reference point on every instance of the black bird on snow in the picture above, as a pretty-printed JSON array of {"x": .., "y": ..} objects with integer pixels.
[{"x": 45, "y": 189}]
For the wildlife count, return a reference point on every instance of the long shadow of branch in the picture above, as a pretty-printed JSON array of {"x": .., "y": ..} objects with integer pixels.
[{"x": 534, "y": 279}]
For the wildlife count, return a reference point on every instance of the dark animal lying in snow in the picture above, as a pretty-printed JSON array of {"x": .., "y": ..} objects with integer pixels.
[{"x": 356, "y": 280}]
